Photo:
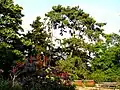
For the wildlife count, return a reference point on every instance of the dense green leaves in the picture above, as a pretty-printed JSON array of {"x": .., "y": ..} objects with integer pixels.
[
  {"x": 75, "y": 21},
  {"x": 39, "y": 35},
  {"x": 84, "y": 31},
  {"x": 87, "y": 51},
  {"x": 97, "y": 51},
  {"x": 11, "y": 42},
  {"x": 75, "y": 66},
  {"x": 107, "y": 58}
]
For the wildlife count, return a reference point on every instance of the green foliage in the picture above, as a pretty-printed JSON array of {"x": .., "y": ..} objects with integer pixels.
[
  {"x": 106, "y": 60},
  {"x": 112, "y": 39},
  {"x": 74, "y": 66},
  {"x": 39, "y": 35},
  {"x": 4, "y": 84},
  {"x": 81, "y": 26},
  {"x": 84, "y": 30},
  {"x": 98, "y": 76},
  {"x": 84, "y": 46},
  {"x": 11, "y": 41},
  {"x": 17, "y": 86},
  {"x": 74, "y": 20}
]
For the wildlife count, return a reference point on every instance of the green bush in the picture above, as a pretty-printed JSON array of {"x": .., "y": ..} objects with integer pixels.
[
  {"x": 17, "y": 86},
  {"x": 4, "y": 84},
  {"x": 98, "y": 76}
]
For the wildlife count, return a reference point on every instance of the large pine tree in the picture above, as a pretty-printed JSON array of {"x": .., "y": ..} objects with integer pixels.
[{"x": 84, "y": 31}]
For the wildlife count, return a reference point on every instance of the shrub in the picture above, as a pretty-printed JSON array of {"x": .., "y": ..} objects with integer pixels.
[
  {"x": 46, "y": 79},
  {"x": 7, "y": 85},
  {"x": 4, "y": 84},
  {"x": 16, "y": 86}
]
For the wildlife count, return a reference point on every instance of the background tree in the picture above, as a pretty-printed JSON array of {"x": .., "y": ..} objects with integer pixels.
[
  {"x": 39, "y": 35},
  {"x": 11, "y": 41},
  {"x": 107, "y": 58},
  {"x": 75, "y": 67},
  {"x": 84, "y": 31}
]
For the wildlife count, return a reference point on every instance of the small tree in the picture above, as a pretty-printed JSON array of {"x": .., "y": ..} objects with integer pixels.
[{"x": 74, "y": 66}]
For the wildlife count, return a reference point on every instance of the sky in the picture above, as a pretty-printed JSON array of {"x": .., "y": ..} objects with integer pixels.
[{"x": 107, "y": 11}]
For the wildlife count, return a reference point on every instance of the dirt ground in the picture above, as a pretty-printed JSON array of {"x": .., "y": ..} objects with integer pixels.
[{"x": 93, "y": 88}]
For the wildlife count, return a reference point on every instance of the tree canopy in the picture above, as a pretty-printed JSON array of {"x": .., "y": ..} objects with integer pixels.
[
  {"x": 86, "y": 53},
  {"x": 11, "y": 41}
]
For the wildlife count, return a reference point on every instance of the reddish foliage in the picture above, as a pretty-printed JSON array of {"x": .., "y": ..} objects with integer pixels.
[
  {"x": 30, "y": 59},
  {"x": 46, "y": 59},
  {"x": 14, "y": 69}
]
